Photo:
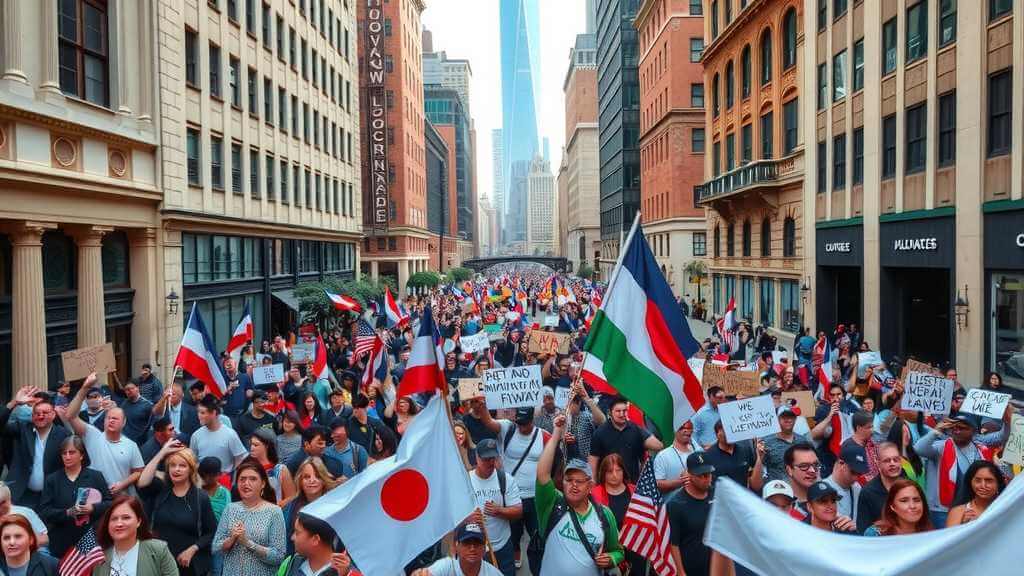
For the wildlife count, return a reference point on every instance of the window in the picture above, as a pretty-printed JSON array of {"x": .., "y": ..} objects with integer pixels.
[
  {"x": 917, "y": 131},
  {"x": 822, "y": 14},
  {"x": 233, "y": 10},
  {"x": 716, "y": 297},
  {"x": 716, "y": 158},
  {"x": 838, "y": 8},
  {"x": 697, "y": 140},
  {"x": 839, "y": 76},
  {"x": 191, "y": 58},
  {"x": 766, "y": 237},
  {"x": 858, "y": 156},
  {"x": 790, "y": 305},
  {"x": 696, "y": 8},
  {"x": 697, "y": 95},
  {"x": 254, "y": 105},
  {"x": 747, "y": 143},
  {"x": 309, "y": 189},
  {"x": 789, "y": 39},
  {"x": 268, "y": 166},
  {"x": 83, "y": 50},
  {"x": 822, "y": 174},
  {"x": 766, "y": 57},
  {"x": 714, "y": 18},
  {"x": 730, "y": 86},
  {"x": 997, "y": 8},
  {"x": 282, "y": 109},
  {"x": 889, "y": 46},
  {"x": 745, "y": 71},
  {"x": 947, "y": 129},
  {"x": 730, "y": 240},
  {"x": 790, "y": 119},
  {"x": 839, "y": 162},
  {"x": 858, "y": 65},
  {"x": 767, "y": 302},
  {"x": 192, "y": 151},
  {"x": 889, "y": 146},
  {"x": 234, "y": 82},
  {"x": 718, "y": 242},
  {"x": 280, "y": 38},
  {"x": 1000, "y": 106},
  {"x": 250, "y": 16},
  {"x": 305, "y": 122},
  {"x": 215, "y": 70},
  {"x": 730, "y": 152},
  {"x": 917, "y": 31},
  {"x": 304, "y": 56},
  {"x": 265, "y": 23},
  {"x": 767, "y": 135},
  {"x": 285, "y": 199},
  {"x": 295, "y": 116},
  {"x": 293, "y": 56},
  {"x": 747, "y": 297},
  {"x": 822, "y": 85},
  {"x": 700, "y": 244},
  {"x": 254, "y": 173},
  {"x": 728, "y": 11},
  {"x": 947, "y": 21},
  {"x": 714, "y": 97},
  {"x": 216, "y": 163},
  {"x": 789, "y": 237},
  {"x": 746, "y": 238},
  {"x": 236, "y": 168},
  {"x": 297, "y": 180}
]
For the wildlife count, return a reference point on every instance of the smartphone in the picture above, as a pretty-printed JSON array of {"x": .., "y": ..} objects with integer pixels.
[{"x": 82, "y": 497}]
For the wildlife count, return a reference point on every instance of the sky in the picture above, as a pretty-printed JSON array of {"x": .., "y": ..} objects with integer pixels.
[{"x": 469, "y": 29}]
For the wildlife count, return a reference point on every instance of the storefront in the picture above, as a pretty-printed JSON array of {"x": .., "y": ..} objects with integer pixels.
[
  {"x": 839, "y": 287},
  {"x": 1004, "y": 276},
  {"x": 918, "y": 264}
]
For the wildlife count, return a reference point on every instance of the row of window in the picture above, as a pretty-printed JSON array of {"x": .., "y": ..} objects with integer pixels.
[
  {"x": 839, "y": 75},
  {"x": 790, "y": 139},
  {"x": 322, "y": 192},
  {"x": 319, "y": 15},
  {"x": 213, "y": 257},
  {"x": 724, "y": 289},
  {"x": 788, "y": 238},
  {"x": 916, "y": 41}
]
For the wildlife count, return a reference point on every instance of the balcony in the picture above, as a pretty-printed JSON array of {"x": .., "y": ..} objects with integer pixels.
[{"x": 758, "y": 174}]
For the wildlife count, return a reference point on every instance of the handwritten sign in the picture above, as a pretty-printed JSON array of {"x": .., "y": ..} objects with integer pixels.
[
  {"x": 470, "y": 388},
  {"x": 302, "y": 353},
  {"x": 551, "y": 321},
  {"x": 1014, "y": 450},
  {"x": 927, "y": 393},
  {"x": 84, "y": 361},
  {"x": 549, "y": 342},
  {"x": 985, "y": 403},
  {"x": 865, "y": 359},
  {"x": 513, "y": 387},
  {"x": 734, "y": 382},
  {"x": 749, "y": 418},
  {"x": 562, "y": 396},
  {"x": 271, "y": 374},
  {"x": 475, "y": 343},
  {"x": 915, "y": 366},
  {"x": 803, "y": 400},
  {"x": 697, "y": 367}
]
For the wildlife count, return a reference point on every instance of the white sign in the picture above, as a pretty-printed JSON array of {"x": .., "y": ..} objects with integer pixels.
[
  {"x": 474, "y": 343},
  {"x": 271, "y": 374},
  {"x": 927, "y": 393},
  {"x": 562, "y": 396},
  {"x": 697, "y": 367},
  {"x": 985, "y": 403},
  {"x": 749, "y": 418},
  {"x": 551, "y": 321},
  {"x": 865, "y": 359},
  {"x": 513, "y": 387},
  {"x": 779, "y": 357},
  {"x": 1014, "y": 451},
  {"x": 302, "y": 353}
]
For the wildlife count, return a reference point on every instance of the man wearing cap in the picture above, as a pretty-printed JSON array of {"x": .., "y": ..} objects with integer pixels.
[
  {"x": 95, "y": 412},
  {"x": 670, "y": 463},
  {"x": 823, "y": 509},
  {"x": 737, "y": 461},
  {"x": 498, "y": 503},
  {"x": 779, "y": 494},
  {"x": 851, "y": 464},
  {"x": 875, "y": 493},
  {"x": 149, "y": 385},
  {"x": 256, "y": 418},
  {"x": 469, "y": 556},
  {"x": 688, "y": 512},
  {"x": 775, "y": 446}
]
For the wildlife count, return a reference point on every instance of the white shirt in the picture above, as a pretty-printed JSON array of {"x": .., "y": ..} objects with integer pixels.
[
  {"x": 127, "y": 565},
  {"x": 222, "y": 443},
  {"x": 307, "y": 570},
  {"x": 36, "y": 478},
  {"x": 499, "y": 530},
  {"x": 671, "y": 462},
  {"x": 115, "y": 460},
  {"x": 174, "y": 412},
  {"x": 847, "y": 505},
  {"x": 450, "y": 567},
  {"x": 564, "y": 555},
  {"x": 526, "y": 476}
]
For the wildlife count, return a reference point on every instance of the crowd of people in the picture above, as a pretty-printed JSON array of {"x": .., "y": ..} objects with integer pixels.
[{"x": 176, "y": 480}]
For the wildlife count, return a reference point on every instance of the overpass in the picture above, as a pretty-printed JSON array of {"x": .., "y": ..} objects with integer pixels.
[{"x": 556, "y": 263}]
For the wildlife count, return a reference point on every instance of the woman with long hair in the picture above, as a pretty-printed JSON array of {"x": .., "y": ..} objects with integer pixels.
[
  {"x": 128, "y": 544},
  {"x": 400, "y": 413},
  {"x": 901, "y": 434},
  {"x": 289, "y": 435},
  {"x": 982, "y": 483},
  {"x": 180, "y": 511},
  {"x": 465, "y": 443},
  {"x": 251, "y": 531},
  {"x": 384, "y": 444},
  {"x": 612, "y": 487},
  {"x": 66, "y": 514},
  {"x": 905, "y": 511},
  {"x": 313, "y": 481},
  {"x": 20, "y": 554},
  {"x": 263, "y": 447},
  {"x": 309, "y": 409}
]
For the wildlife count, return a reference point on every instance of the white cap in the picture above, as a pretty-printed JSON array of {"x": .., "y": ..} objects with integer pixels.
[{"x": 776, "y": 487}]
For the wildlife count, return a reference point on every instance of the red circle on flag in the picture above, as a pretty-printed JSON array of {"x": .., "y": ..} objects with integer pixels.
[{"x": 405, "y": 495}]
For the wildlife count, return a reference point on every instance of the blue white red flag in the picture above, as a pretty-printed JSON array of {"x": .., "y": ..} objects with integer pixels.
[
  {"x": 198, "y": 357},
  {"x": 424, "y": 372},
  {"x": 394, "y": 311},
  {"x": 243, "y": 335}
]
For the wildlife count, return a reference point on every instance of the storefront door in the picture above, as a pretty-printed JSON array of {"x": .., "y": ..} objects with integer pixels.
[{"x": 1007, "y": 334}]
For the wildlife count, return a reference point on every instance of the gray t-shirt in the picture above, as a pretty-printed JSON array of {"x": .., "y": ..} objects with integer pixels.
[{"x": 222, "y": 443}]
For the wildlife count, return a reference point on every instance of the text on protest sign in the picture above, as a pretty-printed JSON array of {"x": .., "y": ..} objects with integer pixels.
[
  {"x": 513, "y": 387},
  {"x": 475, "y": 343},
  {"x": 985, "y": 403},
  {"x": 1014, "y": 450},
  {"x": 865, "y": 359},
  {"x": 562, "y": 395},
  {"x": 271, "y": 374},
  {"x": 749, "y": 418},
  {"x": 551, "y": 321},
  {"x": 470, "y": 388},
  {"x": 84, "y": 361},
  {"x": 302, "y": 353},
  {"x": 549, "y": 343},
  {"x": 733, "y": 382},
  {"x": 927, "y": 393}
]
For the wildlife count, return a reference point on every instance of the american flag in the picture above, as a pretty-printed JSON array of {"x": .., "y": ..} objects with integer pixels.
[
  {"x": 81, "y": 558},
  {"x": 645, "y": 529},
  {"x": 364, "y": 339}
]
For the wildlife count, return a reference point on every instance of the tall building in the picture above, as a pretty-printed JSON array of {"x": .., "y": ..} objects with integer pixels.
[
  {"x": 520, "y": 77},
  {"x": 581, "y": 241},
  {"x": 498, "y": 176},
  {"x": 391, "y": 88},
  {"x": 618, "y": 95},
  {"x": 672, "y": 139},
  {"x": 487, "y": 227},
  {"x": 444, "y": 110},
  {"x": 914, "y": 217},
  {"x": 753, "y": 189},
  {"x": 439, "y": 70},
  {"x": 441, "y": 213},
  {"x": 542, "y": 216}
]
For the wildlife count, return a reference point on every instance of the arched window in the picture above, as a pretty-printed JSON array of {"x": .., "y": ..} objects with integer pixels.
[
  {"x": 789, "y": 39},
  {"x": 789, "y": 238},
  {"x": 745, "y": 71},
  {"x": 766, "y": 237},
  {"x": 718, "y": 241},
  {"x": 766, "y": 56},
  {"x": 730, "y": 85},
  {"x": 730, "y": 240},
  {"x": 714, "y": 97},
  {"x": 746, "y": 237}
]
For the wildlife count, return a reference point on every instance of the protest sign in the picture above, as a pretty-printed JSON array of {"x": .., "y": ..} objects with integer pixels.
[
  {"x": 551, "y": 321},
  {"x": 81, "y": 362},
  {"x": 749, "y": 418},
  {"x": 697, "y": 367},
  {"x": 511, "y": 316},
  {"x": 803, "y": 400},
  {"x": 549, "y": 342},
  {"x": 475, "y": 343},
  {"x": 271, "y": 374},
  {"x": 915, "y": 366},
  {"x": 734, "y": 382},
  {"x": 985, "y": 403},
  {"x": 865, "y": 359},
  {"x": 1014, "y": 450},
  {"x": 779, "y": 357},
  {"x": 927, "y": 393},
  {"x": 470, "y": 388},
  {"x": 302, "y": 353},
  {"x": 513, "y": 387},
  {"x": 562, "y": 396}
]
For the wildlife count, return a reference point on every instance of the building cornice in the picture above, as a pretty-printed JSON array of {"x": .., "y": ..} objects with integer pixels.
[
  {"x": 117, "y": 135},
  {"x": 674, "y": 115},
  {"x": 577, "y": 129},
  {"x": 192, "y": 220},
  {"x": 22, "y": 174}
]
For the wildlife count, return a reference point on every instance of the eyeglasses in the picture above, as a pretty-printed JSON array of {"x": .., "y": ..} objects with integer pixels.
[{"x": 807, "y": 466}]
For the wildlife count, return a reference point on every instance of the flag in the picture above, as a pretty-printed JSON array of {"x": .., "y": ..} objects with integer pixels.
[
  {"x": 645, "y": 529},
  {"x": 842, "y": 428},
  {"x": 727, "y": 323},
  {"x": 364, "y": 339},
  {"x": 344, "y": 303},
  {"x": 197, "y": 356},
  {"x": 320, "y": 369},
  {"x": 424, "y": 372},
  {"x": 376, "y": 361},
  {"x": 395, "y": 313},
  {"x": 639, "y": 341},
  {"x": 81, "y": 558},
  {"x": 415, "y": 497},
  {"x": 242, "y": 336}
]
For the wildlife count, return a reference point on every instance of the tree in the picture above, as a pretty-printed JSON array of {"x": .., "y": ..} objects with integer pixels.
[
  {"x": 315, "y": 307},
  {"x": 459, "y": 274},
  {"x": 585, "y": 271},
  {"x": 696, "y": 270},
  {"x": 425, "y": 279}
]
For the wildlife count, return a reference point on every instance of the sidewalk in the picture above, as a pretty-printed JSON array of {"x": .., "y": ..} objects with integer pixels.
[{"x": 700, "y": 329}]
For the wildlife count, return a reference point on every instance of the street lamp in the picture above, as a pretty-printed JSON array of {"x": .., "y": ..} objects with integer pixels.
[
  {"x": 172, "y": 303},
  {"x": 961, "y": 307},
  {"x": 805, "y": 291}
]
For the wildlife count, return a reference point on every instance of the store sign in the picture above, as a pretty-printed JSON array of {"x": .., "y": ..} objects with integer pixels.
[
  {"x": 1020, "y": 240},
  {"x": 837, "y": 247},
  {"x": 915, "y": 244},
  {"x": 377, "y": 114}
]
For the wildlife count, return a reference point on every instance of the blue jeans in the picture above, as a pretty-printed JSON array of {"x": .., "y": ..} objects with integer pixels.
[
  {"x": 938, "y": 518},
  {"x": 506, "y": 559}
]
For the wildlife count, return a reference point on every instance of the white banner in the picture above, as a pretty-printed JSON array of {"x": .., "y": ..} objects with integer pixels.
[
  {"x": 271, "y": 374},
  {"x": 474, "y": 343},
  {"x": 749, "y": 418},
  {"x": 513, "y": 387}
]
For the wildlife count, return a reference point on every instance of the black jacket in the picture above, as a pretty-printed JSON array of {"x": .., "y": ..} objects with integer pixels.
[
  {"x": 23, "y": 450},
  {"x": 38, "y": 565},
  {"x": 189, "y": 420},
  {"x": 156, "y": 495},
  {"x": 869, "y": 506},
  {"x": 59, "y": 494}
]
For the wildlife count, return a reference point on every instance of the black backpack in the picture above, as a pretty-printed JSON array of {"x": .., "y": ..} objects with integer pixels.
[{"x": 559, "y": 511}]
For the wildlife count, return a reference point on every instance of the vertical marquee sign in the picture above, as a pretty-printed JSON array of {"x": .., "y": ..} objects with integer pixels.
[{"x": 377, "y": 110}]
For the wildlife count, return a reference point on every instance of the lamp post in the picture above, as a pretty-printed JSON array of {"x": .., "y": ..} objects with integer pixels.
[
  {"x": 961, "y": 308},
  {"x": 172, "y": 303},
  {"x": 805, "y": 291}
]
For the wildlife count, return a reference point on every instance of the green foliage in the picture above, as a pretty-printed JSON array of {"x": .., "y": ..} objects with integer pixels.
[
  {"x": 316, "y": 308},
  {"x": 585, "y": 271},
  {"x": 696, "y": 268},
  {"x": 459, "y": 274},
  {"x": 425, "y": 279}
]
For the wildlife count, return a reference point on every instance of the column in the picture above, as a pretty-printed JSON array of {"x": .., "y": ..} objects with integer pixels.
[
  {"x": 403, "y": 276},
  {"x": 28, "y": 310},
  {"x": 50, "y": 82},
  {"x": 148, "y": 303},
  {"x": 92, "y": 323},
  {"x": 12, "y": 44},
  {"x": 145, "y": 57},
  {"x": 124, "y": 74},
  {"x": 374, "y": 270}
]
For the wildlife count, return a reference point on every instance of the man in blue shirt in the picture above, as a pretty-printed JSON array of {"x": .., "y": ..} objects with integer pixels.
[
  {"x": 239, "y": 389},
  {"x": 704, "y": 420},
  {"x": 352, "y": 456}
]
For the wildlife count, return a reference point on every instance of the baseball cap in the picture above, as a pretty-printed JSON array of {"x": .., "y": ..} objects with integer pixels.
[
  {"x": 524, "y": 415},
  {"x": 696, "y": 463},
  {"x": 965, "y": 419},
  {"x": 855, "y": 457},
  {"x": 785, "y": 408},
  {"x": 578, "y": 464},
  {"x": 820, "y": 490},
  {"x": 777, "y": 487},
  {"x": 469, "y": 531},
  {"x": 487, "y": 448}
]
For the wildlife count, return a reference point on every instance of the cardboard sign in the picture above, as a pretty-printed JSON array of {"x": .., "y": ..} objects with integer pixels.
[
  {"x": 865, "y": 359},
  {"x": 1014, "y": 450},
  {"x": 551, "y": 321},
  {"x": 470, "y": 388},
  {"x": 734, "y": 382},
  {"x": 749, "y": 418},
  {"x": 927, "y": 393},
  {"x": 84, "y": 361},
  {"x": 985, "y": 403},
  {"x": 271, "y": 374},
  {"x": 803, "y": 400},
  {"x": 562, "y": 395},
  {"x": 915, "y": 366},
  {"x": 549, "y": 342},
  {"x": 475, "y": 343},
  {"x": 302, "y": 353},
  {"x": 697, "y": 367},
  {"x": 513, "y": 387}
]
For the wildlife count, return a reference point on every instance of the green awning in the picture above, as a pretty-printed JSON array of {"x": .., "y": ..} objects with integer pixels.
[{"x": 287, "y": 297}]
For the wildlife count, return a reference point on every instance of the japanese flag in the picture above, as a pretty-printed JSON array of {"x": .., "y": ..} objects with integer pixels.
[{"x": 400, "y": 506}]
